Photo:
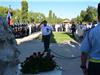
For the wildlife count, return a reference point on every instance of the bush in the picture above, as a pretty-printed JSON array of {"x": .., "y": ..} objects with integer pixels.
[{"x": 38, "y": 62}]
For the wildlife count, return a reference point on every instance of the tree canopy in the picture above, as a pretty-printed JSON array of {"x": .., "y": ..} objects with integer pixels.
[
  {"x": 25, "y": 16},
  {"x": 19, "y": 16},
  {"x": 88, "y": 15},
  {"x": 24, "y": 11}
]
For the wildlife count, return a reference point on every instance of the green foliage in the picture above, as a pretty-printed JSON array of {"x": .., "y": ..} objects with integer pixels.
[
  {"x": 91, "y": 14},
  {"x": 24, "y": 12},
  {"x": 50, "y": 17},
  {"x": 82, "y": 15},
  {"x": 53, "y": 19},
  {"x": 50, "y": 14},
  {"x": 73, "y": 20},
  {"x": 3, "y": 11},
  {"x": 88, "y": 15},
  {"x": 25, "y": 16},
  {"x": 37, "y": 17},
  {"x": 79, "y": 19}
]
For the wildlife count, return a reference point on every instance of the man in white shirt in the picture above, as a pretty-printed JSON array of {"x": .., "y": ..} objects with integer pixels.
[{"x": 46, "y": 34}]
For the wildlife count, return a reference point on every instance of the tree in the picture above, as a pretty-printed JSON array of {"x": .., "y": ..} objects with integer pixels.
[
  {"x": 24, "y": 12},
  {"x": 50, "y": 16},
  {"x": 3, "y": 11},
  {"x": 91, "y": 14},
  {"x": 54, "y": 18},
  {"x": 87, "y": 16},
  {"x": 82, "y": 15},
  {"x": 20, "y": 15},
  {"x": 79, "y": 19},
  {"x": 17, "y": 16},
  {"x": 59, "y": 20},
  {"x": 74, "y": 20}
]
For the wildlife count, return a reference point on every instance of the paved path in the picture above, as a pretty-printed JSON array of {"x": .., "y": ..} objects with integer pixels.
[{"x": 63, "y": 52}]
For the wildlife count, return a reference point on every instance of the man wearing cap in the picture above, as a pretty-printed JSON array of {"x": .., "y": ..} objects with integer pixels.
[{"x": 90, "y": 50}]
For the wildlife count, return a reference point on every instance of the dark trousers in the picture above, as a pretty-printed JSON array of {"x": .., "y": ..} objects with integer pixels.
[
  {"x": 46, "y": 40},
  {"x": 93, "y": 68},
  {"x": 73, "y": 33}
]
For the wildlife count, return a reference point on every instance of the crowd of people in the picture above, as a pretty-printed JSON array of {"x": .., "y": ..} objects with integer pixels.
[
  {"x": 81, "y": 29},
  {"x": 62, "y": 27},
  {"x": 77, "y": 30},
  {"x": 23, "y": 29}
]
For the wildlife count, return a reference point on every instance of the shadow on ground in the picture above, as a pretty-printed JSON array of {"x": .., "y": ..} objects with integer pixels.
[
  {"x": 73, "y": 37},
  {"x": 53, "y": 40},
  {"x": 70, "y": 35},
  {"x": 67, "y": 55}
]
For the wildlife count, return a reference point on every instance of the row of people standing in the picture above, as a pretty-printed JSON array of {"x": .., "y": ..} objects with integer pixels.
[
  {"x": 75, "y": 29},
  {"x": 23, "y": 29},
  {"x": 62, "y": 27}
]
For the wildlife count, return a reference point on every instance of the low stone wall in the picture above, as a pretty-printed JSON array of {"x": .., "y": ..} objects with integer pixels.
[{"x": 28, "y": 38}]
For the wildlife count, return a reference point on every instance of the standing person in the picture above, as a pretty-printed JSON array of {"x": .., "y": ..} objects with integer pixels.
[
  {"x": 79, "y": 31},
  {"x": 89, "y": 26},
  {"x": 90, "y": 50},
  {"x": 73, "y": 29},
  {"x": 46, "y": 34},
  {"x": 30, "y": 28}
]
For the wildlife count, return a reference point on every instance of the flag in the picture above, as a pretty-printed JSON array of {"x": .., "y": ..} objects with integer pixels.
[{"x": 8, "y": 18}]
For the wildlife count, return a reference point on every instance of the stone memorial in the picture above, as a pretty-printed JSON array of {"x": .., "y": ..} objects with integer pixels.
[{"x": 8, "y": 50}]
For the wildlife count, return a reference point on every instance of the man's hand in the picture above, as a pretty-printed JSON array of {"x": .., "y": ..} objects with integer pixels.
[
  {"x": 84, "y": 69},
  {"x": 84, "y": 57}
]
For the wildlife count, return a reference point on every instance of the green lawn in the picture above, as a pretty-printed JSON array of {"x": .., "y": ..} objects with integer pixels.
[{"x": 60, "y": 37}]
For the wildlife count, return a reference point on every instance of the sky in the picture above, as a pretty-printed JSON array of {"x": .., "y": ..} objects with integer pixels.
[{"x": 62, "y": 8}]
